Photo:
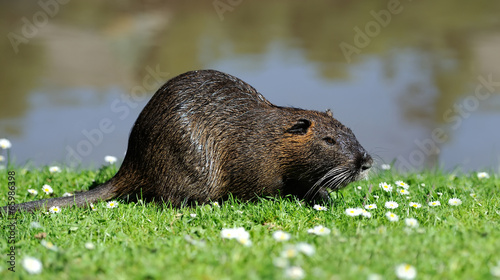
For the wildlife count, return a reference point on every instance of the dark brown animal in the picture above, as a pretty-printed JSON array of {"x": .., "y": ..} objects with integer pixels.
[{"x": 206, "y": 134}]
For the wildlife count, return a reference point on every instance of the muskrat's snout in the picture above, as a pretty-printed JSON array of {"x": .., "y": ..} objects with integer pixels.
[
  {"x": 363, "y": 163},
  {"x": 366, "y": 162}
]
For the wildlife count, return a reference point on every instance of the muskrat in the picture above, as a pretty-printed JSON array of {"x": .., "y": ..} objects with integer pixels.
[{"x": 205, "y": 135}]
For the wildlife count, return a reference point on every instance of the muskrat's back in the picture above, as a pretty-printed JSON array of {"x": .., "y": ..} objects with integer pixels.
[{"x": 180, "y": 140}]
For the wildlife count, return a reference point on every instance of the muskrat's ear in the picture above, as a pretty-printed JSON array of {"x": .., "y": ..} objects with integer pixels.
[
  {"x": 300, "y": 127},
  {"x": 329, "y": 113}
]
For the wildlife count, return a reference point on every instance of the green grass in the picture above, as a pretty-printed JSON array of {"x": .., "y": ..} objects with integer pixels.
[{"x": 145, "y": 241}]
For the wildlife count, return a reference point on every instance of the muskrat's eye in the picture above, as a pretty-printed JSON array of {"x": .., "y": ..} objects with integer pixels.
[{"x": 329, "y": 141}]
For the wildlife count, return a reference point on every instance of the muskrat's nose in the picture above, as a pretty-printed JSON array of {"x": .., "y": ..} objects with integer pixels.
[{"x": 367, "y": 162}]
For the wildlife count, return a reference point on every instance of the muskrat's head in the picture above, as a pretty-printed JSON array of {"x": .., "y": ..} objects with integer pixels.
[{"x": 326, "y": 153}]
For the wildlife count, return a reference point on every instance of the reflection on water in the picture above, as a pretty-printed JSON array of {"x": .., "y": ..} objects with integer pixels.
[{"x": 417, "y": 81}]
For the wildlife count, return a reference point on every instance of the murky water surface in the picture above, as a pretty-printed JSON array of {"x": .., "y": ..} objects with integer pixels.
[{"x": 417, "y": 81}]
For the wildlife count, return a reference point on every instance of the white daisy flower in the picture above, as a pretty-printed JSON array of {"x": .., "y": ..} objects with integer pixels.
[
  {"x": 392, "y": 217},
  {"x": 110, "y": 159},
  {"x": 454, "y": 201},
  {"x": 404, "y": 191},
  {"x": 406, "y": 271},
  {"x": 240, "y": 234},
  {"x": 483, "y": 175},
  {"x": 89, "y": 246},
  {"x": 280, "y": 235},
  {"x": 289, "y": 252},
  {"x": 386, "y": 187},
  {"x": 67, "y": 194},
  {"x": 319, "y": 207},
  {"x": 353, "y": 212},
  {"x": 319, "y": 230},
  {"x": 402, "y": 184},
  {"x": 294, "y": 272},
  {"x": 371, "y": 206},
  {"x": 228, "y": 233},
  {"x": 391, "y": 205},
  {"x": 435, "y": 203},
  {"x": 93, "y": 207},
  {"x": 216, "y": 204},
  {"x": 49, "y": 245},
  {"x": 54, "y": 209},
  {"x": 365, "y": 213},
  {"x": 415, "y": 205},
  {"x": 411, "y": 222},
  {"x": 111, "y": 204},
  {"x": 192, "y": 215},
  {"x": 385, "y": 166},
  {"x": 32, "y": 265},
  {"x": 5, "y": 144},
  {"x": 54, "y": 169},
  {"x": 32, "y": 191},
  {"x": 244, "y": 241},
  {"x": 305, "y": 248},
  {"x": 47, "y": 189}
]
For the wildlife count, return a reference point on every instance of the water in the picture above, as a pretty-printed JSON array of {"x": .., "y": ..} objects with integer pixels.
[{"x": 419, "y": 92}]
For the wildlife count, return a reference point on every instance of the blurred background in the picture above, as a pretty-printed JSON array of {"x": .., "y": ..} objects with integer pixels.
[{"x": 417, "y": 81}]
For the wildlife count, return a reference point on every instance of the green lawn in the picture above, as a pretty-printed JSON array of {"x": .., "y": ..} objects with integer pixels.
[{"x": 145, "y": 241}]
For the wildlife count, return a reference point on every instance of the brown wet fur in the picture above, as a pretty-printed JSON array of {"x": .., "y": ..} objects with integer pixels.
[{"x": 206, "y": 134}]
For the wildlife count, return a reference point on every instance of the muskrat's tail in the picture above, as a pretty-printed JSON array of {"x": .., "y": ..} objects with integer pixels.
[{"x": 101, "y": 192}]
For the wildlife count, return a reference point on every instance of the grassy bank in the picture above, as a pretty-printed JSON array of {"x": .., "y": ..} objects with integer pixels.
[{"x": 144, "y": 241}]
